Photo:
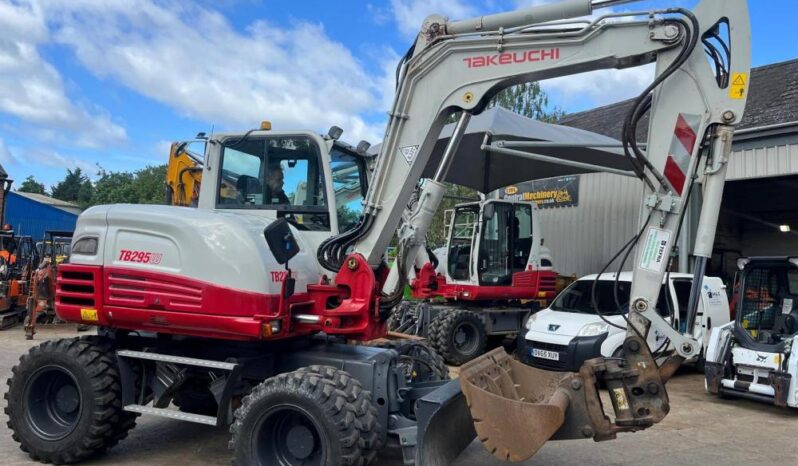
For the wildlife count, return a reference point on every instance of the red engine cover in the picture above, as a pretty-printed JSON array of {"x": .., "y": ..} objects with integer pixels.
[{"x": 134, "y": 299}]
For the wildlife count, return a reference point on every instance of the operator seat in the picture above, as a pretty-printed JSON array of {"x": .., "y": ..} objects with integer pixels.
[{"x": 247, "y": 186}]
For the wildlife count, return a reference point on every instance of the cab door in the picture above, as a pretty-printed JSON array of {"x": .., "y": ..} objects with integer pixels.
[{"x": 495, "y": 254}]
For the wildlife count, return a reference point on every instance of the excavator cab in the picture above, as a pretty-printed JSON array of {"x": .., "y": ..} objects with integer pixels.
[{"x": 492, "y": 241}]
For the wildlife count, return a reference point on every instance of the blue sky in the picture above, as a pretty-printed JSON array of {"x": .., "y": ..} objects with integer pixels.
[{"x": 87, "y": 82}]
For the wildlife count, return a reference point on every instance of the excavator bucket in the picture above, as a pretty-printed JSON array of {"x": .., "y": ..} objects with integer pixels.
[{"x": 515, "y": 408}]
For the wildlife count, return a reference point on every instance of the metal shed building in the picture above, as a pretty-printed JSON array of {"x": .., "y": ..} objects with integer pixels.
[
  {"x": 33, "y": 214},
  {"x": 760, "y": 205}
]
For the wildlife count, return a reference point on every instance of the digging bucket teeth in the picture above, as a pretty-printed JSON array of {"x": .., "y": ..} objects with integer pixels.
[{"x": 517, "y": 408}]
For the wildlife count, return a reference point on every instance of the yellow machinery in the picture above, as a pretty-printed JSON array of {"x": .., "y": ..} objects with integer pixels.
[{"x": 183, "y": 176}]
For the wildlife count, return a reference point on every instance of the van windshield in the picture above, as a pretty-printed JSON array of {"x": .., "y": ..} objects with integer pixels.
[{"x": 577, "y": 297}]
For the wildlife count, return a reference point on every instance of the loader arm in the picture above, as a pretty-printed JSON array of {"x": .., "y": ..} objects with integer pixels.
[{"x": 693, "y": 105}]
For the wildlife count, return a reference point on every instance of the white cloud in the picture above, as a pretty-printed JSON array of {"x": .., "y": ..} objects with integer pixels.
[
  {"x": 32, "y": 90},
  {"x": 54, "y": 159},
  {"x": 409, "y": 14},
  {"x": 6, "y": 157},
  {"x": 599, "y": 87},
  {"x": 191, "y": 59}
]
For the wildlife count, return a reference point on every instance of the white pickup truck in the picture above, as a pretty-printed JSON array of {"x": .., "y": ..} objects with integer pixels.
[{"x": 570, "y": 331}]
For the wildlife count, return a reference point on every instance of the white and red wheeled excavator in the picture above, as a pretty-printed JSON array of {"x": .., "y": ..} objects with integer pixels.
[{"x": 200, "y": 319}]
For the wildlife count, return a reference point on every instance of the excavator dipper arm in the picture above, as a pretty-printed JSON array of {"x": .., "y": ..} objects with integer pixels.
[{"x": 693, "y": 104}]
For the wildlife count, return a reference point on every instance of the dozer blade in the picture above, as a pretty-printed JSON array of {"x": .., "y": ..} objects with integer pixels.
[
  {"x": 516, "y": 408},
  {"x": 445, "y": 427}
]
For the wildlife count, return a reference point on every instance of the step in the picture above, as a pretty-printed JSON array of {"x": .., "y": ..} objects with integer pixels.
[
  {"x": 227, "y": 366},
  {"x": 172, "y": 414}
]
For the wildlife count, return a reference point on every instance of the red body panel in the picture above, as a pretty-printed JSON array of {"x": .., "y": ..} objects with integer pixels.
[
  {"x": 135, "y": 299},
  {"x": 528, "y": 284}
]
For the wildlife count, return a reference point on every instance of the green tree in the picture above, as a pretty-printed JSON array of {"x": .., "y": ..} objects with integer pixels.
[
  {"x": 151, "y": 184},
  {"x": 30, "y": 185},
  {"x": 75, "y": 187},
  {"x": 145, "y": 186},
  {"x": 529, "y": 100},
  {"x": 455, "y": 194}
]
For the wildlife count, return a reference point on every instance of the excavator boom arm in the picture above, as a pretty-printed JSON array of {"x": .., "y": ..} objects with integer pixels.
[{"x": 693, "y": 103}]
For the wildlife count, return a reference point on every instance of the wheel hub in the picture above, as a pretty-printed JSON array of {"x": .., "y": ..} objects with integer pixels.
[
  {"x": 300, "y": 442},
  {"x": 67, "y": 399},
  {"x": 52, "y": 399},
  {"x": 287, "y": 436},
  {"x": 465, "y": 338}
]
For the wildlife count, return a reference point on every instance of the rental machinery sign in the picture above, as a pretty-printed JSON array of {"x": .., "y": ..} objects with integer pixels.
[{"x": 561, "y": 191}]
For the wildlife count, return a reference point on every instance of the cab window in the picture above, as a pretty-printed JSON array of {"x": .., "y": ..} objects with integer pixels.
[
  {"x": 276, "y": 173},
  {"x": 350, "y": 186},
  {"x": 769, "y": 311},
  {"x": 462, "y": 231}
]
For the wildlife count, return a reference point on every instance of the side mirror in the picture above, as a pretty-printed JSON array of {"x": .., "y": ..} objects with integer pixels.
[
  {"x": 488, "y": 210},
  {"x": 281, "y": 241}
]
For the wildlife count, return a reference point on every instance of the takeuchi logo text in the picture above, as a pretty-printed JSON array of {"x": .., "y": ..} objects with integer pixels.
[{"x": 509, "y": 58}]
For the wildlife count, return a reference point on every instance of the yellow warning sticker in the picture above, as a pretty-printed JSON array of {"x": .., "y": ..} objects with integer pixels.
[
  {"x": 89, "y": 314},
  {"x": 739, "y": 82},
  {"x": 620, "y": 398}
]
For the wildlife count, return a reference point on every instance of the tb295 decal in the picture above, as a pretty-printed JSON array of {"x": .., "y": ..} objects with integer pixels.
[{"x": 140, "y": 257}]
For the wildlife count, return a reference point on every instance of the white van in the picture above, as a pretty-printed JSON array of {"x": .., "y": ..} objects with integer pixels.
[{"x": 569, "y": 332}]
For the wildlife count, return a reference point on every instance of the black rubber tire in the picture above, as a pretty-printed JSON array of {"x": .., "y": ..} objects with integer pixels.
[
  {"x": 194, "y": 397},
  {"x": 445, "y": 335},
  {"x": 422, "y": 363},
  {"x": 700, "y": 363},
  {"x": 89, "y": 369},
  {"x": 318, "y": 402},
  {"x": 364, "y": 406}
]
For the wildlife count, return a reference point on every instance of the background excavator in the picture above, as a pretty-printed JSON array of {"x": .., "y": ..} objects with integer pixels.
[
  {"x": 495, "y": 272},
  {"x": 239, "y": 311},
  {"x": 17, "y": 259},
  {"x": 51, "y": 252}
]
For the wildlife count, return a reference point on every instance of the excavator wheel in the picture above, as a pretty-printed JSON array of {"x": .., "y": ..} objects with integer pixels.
[
  {"x": 301, "y": 417},
  {"x": 194, "y": 397},
  {"x": 361, "y": 400},
  {"x": 64, "y": 401},
  {"x": 418, "y": 360},
  {"x": 459, "y": 336}
]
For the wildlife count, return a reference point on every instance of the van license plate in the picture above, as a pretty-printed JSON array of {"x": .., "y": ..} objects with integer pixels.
[{"x": 545, "y": 354}]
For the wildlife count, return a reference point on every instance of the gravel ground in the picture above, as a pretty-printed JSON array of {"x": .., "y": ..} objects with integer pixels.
[{"x": 700, "y": 429}]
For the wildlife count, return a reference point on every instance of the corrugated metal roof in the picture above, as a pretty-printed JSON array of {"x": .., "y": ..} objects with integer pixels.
[
  {"x": 772, "y": 99},
  {"x": 51, "y": 201}
]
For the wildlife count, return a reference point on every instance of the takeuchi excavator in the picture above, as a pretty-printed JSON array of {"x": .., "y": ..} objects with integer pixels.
[
  {"x": 494, "y": 272},
  {"x": 242, "y": 312}
]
